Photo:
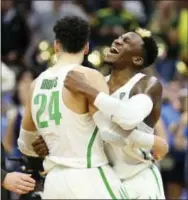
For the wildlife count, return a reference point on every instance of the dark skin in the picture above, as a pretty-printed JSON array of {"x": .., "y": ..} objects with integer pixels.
[
  {"x": 40, "y": 147},
  {"x": 126, "y": 59}
]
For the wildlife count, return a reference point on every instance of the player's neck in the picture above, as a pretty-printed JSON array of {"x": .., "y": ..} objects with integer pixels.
[
  {"x": 120, "y": 77},
  {"x": 67, "y": 58}
]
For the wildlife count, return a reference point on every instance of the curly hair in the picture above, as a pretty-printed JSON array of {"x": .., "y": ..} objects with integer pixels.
[
  {"x": 72, "y": 32},
  {"x": 150, "y": 49}
]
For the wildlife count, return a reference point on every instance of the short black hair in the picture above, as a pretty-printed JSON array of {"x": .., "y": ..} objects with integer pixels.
[
  {"x": 150, "y": 49},
  {"x": 72, "y": 32}
]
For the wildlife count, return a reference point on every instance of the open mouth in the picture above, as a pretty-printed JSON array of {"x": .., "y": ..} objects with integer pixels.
[{"x": 114, "y": 50}]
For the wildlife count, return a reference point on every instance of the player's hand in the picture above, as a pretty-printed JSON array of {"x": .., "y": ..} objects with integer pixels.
[
  {"x": 160, "y": 148},
  {"x": 19, "y": 183},
  {"x": 40, "y": 147},
  {"x": 76, "y": 82},
  {"x": 158, "y": 156}
]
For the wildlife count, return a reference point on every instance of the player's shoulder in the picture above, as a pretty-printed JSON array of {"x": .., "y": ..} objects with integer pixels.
[
  {"x": 154, "y": 82},
  {"x": 89, "y": 72},
  {"x": 150, "y": 81},
  {"x": 147, "y": 84},
  {"x": 84, "y": 69},
  {"x": 94, "y": 77},
  {"x": 153, "y": 87}
]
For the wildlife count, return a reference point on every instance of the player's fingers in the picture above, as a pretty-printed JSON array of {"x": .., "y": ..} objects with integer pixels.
[
  {"x": 36, "y": 142},
  {"x": 27, "y": 178},
  {"x": 18, "y": 191},
  {"x": 67, "y": 85},
  {"x": 40, "y": 146},
  {"x": 66, "y": 82},
  {"x": 69, "y": 75},
  {"x": 27, "y": 184},
  {"x": 43, "y": 152},
  {"x": 68, "y": 78},
  {"x": 25, "y": 188},
  {"x": 44, "y": 148},
  {"x": 73, "y": 74}
]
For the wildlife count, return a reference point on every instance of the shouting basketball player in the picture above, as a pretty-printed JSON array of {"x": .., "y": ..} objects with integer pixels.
[{"x": 134, "y": 105}]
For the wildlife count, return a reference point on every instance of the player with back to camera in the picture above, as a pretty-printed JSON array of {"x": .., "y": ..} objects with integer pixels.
[{"x": 77, "y": 165}]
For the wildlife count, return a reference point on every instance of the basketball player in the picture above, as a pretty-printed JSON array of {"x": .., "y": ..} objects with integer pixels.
[
  {"x": 77, "y": 165},
  {"x": 138, "y": 108}
]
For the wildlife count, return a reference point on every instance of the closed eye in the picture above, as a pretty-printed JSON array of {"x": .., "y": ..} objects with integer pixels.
[{"x": 126, "y": 39}]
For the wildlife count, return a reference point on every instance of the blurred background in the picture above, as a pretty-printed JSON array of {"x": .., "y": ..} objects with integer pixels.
[{"x": 27, "y": 50}]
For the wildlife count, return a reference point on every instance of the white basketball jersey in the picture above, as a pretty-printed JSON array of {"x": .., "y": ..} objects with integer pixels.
[
  {"x": 126, "y": 160},
  {"x": 72, "y": 139}
]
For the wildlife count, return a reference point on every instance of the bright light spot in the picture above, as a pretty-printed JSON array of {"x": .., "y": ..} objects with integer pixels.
[
  {"x": 45, "y": 55},
  {"x": 96, "y": 53},
  {"x": 161, "y": 49},
  {"x": 43, "y": 46},
  {"x": 181, "y": 67},
  {"x": 94, "y": 58},
  {"x": 54, "y": 59},
  {"x": 105, "y": 50}
]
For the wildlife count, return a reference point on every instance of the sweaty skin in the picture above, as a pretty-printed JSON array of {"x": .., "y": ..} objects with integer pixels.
[
  {"x": 87, "y": 85},
  {"x": 77, "y": 83},
  {"x": 125, "y": 56},
  {"x": 146, "y": 85}
]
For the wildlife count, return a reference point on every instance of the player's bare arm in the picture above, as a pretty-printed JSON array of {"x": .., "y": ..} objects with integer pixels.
[
  {"x": 92, "y": 77},
  {"x": 78, "y": 83},
  {"x": 28, "y": 132},
  {"x": 127, "y": 114},
  {"x": 153, "y": 88},
  {"x": 27, "y": 121}
]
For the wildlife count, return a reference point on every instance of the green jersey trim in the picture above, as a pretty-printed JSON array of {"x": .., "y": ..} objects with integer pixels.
[{"x": 89, "y": 148}]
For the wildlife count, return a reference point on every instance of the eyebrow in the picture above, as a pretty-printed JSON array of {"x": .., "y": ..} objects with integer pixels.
[{"x": 125, "y": 37}]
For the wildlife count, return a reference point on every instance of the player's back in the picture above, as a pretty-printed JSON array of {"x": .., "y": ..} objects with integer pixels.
[
  {"x": 78, "y": 167},
  {"x": 72, "y": 138}
]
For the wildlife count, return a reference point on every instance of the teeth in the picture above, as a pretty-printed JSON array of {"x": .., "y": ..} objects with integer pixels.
[{"x": 117, "y": 51}]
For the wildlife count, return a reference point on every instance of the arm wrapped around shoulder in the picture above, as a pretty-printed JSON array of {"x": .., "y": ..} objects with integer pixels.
[
  {"x": 127, "y": 114},
  {"x": 25, "y": 141}
]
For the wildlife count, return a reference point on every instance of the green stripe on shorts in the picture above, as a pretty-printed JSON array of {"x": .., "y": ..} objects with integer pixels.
[
  {"x": 90, "y": 147},
  {"x": 106, "y": 183},
  {"x": 156, "y": 178},
  {"x": 123, "y": 193}
]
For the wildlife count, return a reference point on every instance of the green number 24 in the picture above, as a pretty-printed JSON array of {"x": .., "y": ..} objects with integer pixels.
[{"x": 53, "y": 109}]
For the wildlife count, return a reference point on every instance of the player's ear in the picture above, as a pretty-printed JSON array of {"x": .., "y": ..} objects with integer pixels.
[
  {"x": 86, "y": 51},
  {"x": 56, "y": 46},
  {"x": 137, "y": 60}
]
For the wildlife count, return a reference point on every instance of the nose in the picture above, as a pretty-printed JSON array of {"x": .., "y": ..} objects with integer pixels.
[{"x": 118, "y": 41}]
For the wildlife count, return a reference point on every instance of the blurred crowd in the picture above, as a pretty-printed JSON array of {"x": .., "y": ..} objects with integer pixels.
[{"x": 27, "y": 50}]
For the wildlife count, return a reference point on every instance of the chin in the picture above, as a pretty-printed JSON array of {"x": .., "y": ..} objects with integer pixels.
[{"x": 108, "y": 62}]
